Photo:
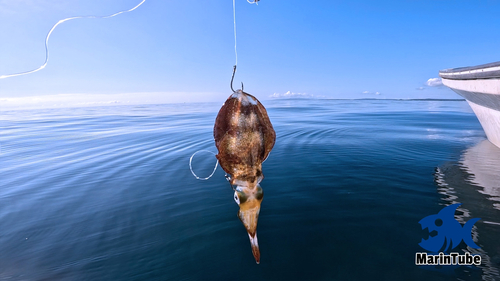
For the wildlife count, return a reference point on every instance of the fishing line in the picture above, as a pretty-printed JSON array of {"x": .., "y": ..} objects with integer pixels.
[
  {"x": 191, "y": 168},
  {"x": 235, "y": 45},
  {"x": 52, "y": 29},
  {"x": 234, "y": 71},
  {"x": 235, "y": 52}
]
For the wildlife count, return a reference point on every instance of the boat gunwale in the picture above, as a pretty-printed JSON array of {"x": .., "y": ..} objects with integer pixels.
[{"x": 483, "y": 71}]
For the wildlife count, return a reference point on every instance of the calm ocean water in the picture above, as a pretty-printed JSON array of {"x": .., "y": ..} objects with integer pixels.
[{"x": 106, "y": 193}]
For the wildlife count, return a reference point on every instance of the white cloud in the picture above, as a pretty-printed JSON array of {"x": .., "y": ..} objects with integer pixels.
[
  {"x": 294, "y": 95},
  {"x": 434, "y": 82},
  {"x": 371, "y": 93}
]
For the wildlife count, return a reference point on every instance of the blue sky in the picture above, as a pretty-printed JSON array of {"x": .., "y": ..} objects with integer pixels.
[{"x": 171, "y": 51}]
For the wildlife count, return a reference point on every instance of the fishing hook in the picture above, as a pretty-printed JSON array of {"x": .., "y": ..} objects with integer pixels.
[{"x": 232, "y": 78}]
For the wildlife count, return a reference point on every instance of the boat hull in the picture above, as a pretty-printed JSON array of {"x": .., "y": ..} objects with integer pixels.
[
  {"x": 490, "y": 121},
  {"x": 480, "y": 86}
]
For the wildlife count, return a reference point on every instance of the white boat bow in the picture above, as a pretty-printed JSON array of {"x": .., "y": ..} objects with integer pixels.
[{"x": 480, "y": 86}]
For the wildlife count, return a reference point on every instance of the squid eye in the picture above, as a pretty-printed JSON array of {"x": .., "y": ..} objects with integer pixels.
[
  {"x": 260, "y": 193},
  {"x": 240, "y": 197},
  {"x": 236, "y": 198}
]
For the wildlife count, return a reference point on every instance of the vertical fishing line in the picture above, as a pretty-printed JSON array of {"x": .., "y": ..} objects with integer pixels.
[
  {"x": 234, "y": 70},
  {"x": 234, "y": 21},
  {"x": 235, "y": 47},
  {"x": 52, "y": 29}
]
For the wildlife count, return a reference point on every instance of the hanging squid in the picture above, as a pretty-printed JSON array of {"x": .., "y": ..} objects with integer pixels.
[{"x": 244, "y": 136}]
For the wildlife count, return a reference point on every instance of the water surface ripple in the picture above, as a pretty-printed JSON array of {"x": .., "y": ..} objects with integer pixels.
[{"x": 106, "y": 193}]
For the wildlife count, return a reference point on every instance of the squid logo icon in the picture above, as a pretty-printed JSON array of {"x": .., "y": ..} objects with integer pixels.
[{"x": 445, "y": 232}]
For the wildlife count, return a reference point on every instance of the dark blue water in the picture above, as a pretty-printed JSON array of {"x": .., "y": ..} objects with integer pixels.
[{"x": 106, "y": 193}]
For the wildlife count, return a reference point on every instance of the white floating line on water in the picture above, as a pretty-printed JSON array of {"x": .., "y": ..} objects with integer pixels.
[
  {"x": 191, "y": 168},
  {"x": 491, "y": 222},
  {"x": 52, "y": 29}
]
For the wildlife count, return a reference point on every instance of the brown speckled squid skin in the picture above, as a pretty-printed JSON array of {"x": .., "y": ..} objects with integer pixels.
[{"x": 244, "y": 136}]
